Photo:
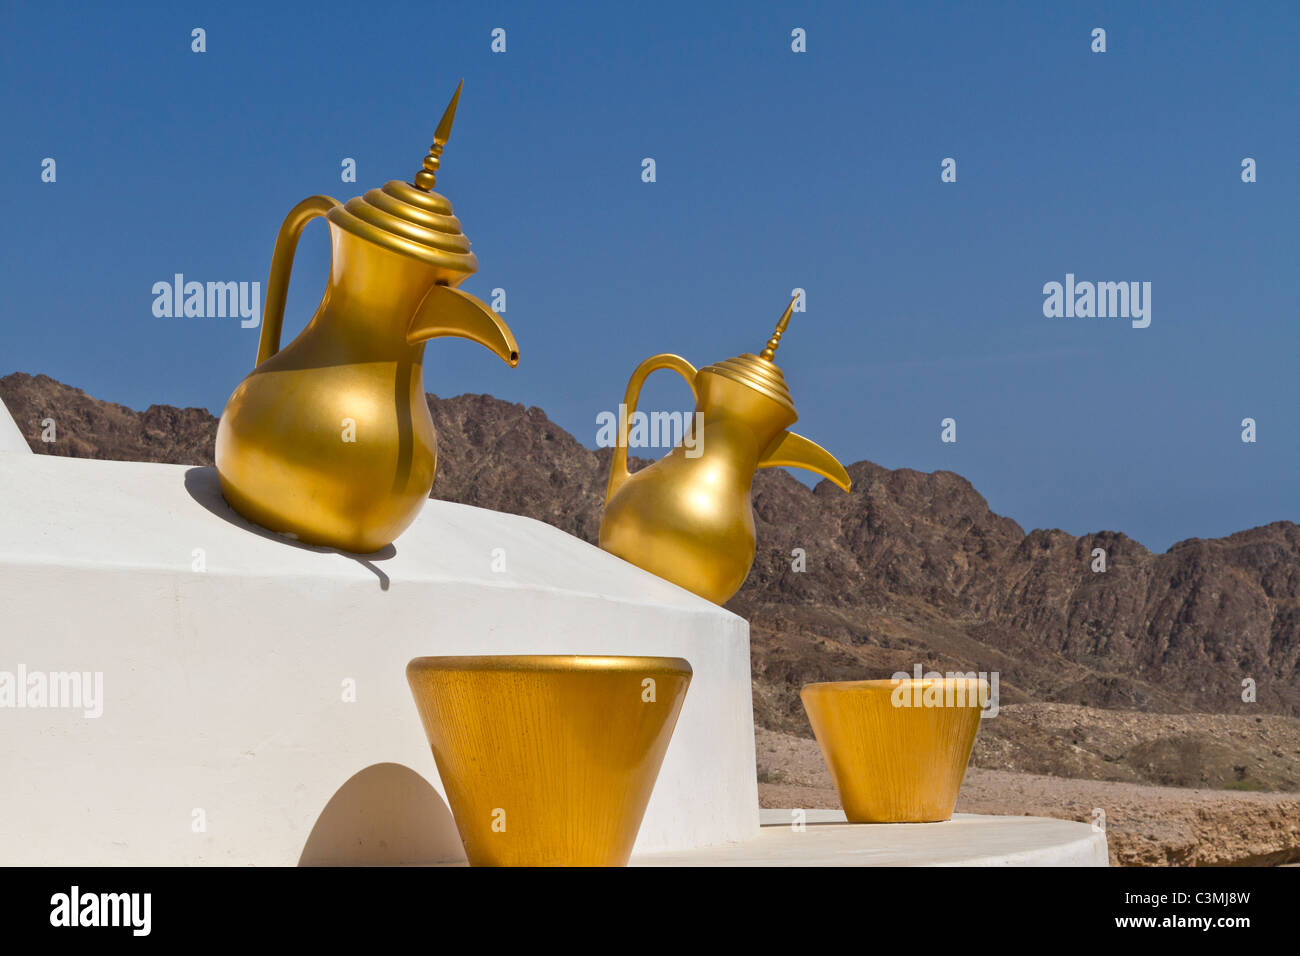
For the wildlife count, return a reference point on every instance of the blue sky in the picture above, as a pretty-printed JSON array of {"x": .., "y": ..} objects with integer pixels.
[{"x": 775, "y": 170}]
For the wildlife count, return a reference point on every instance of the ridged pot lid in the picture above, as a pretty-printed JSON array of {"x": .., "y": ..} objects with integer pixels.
[
  {"x": 409, "y": 221},
  {"x": 760, "y": 372},
  {"x": 410, "y": 218}
]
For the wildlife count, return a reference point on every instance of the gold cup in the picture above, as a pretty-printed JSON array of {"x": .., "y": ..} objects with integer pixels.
[
  {"x": 896, "y": 749},
  {"x": 548, "y": 760}
]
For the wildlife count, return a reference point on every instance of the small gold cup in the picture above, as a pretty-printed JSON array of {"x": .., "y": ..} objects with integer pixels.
[
  {"x": 896, "y": 749},
  {"x": 548, "y": 760}
]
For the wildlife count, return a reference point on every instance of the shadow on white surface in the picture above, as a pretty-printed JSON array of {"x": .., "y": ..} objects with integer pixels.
[
  {"x": 203, "y": 485},
  {"x": 385, "y": 815}
]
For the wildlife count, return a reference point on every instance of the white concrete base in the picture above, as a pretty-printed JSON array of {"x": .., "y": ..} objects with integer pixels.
[
  {"x": 227, "y": 655},
  {"x": 966, "y": 840},
  {"x": 11, "y": 437}
]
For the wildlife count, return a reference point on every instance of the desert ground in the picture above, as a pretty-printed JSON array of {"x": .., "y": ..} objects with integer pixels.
[{"x": 1239, "y": 804}]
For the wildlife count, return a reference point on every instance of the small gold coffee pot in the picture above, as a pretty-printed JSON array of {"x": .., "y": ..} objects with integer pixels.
[
  {"x": 688, "y": 517},
  {"x": 329, "y": 440}
]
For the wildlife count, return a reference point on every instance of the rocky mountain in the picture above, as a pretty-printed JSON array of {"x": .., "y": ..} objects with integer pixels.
[{"x": 910, "y": 568}]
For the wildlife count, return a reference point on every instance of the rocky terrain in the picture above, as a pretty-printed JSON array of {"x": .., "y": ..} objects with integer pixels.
[{"x": 1137, "y": 676}]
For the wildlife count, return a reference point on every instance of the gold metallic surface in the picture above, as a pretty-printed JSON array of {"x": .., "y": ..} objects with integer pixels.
[
  {"x": 329, "y": 439},
  {"x": 689, "y": 519},
  {"x": 548, "y": 760},
  {"x": 896, "y": 764},
  {"x": 428, "y": 174}
]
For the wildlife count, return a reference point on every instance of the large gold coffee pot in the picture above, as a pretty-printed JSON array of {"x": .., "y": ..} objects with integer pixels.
[
  {"x": 688, "y": 517},
  {"x": 329, "y": 440}
]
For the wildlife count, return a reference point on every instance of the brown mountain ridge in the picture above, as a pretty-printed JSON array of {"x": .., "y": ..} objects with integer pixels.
[{"x": 908, "y": 568}]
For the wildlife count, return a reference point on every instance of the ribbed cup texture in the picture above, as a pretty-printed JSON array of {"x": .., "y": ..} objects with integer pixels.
[
  {"x": 548, "y": 761},
  {"x": 895, "y": 764}
]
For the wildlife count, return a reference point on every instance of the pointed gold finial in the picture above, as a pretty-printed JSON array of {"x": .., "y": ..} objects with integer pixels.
[
  {"x": 769, "y": 353},
  {"x": 428, "y": 175}
]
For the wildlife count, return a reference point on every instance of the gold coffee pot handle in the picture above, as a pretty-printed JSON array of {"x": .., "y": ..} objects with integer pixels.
[
  {"x": 277, "y": 285},
  {"x": 618, "y": 472}
]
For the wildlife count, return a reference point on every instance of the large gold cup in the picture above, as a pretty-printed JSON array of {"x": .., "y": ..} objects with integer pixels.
[
  {"x": 548, "y": 760},
  {"x": 896, "y": 749}
]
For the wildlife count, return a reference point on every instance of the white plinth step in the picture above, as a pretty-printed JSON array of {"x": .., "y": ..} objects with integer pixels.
[
  {"x": 250, "y": 701},
  {"x": 967, "y": 839},
  {"x": 254, "y": 705},
  {"x": 11, "y": 439}
]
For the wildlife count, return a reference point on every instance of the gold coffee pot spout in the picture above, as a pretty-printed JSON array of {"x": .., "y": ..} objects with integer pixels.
[
  {"x": 412, "y": 219},
  {"x": 446, "y": 310},
  {"x": 789, "y": 449},
  {"x": 330, "y": 439},
  {"x": 688, "y": 517},
  {"x": 432, "y": 252}
]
